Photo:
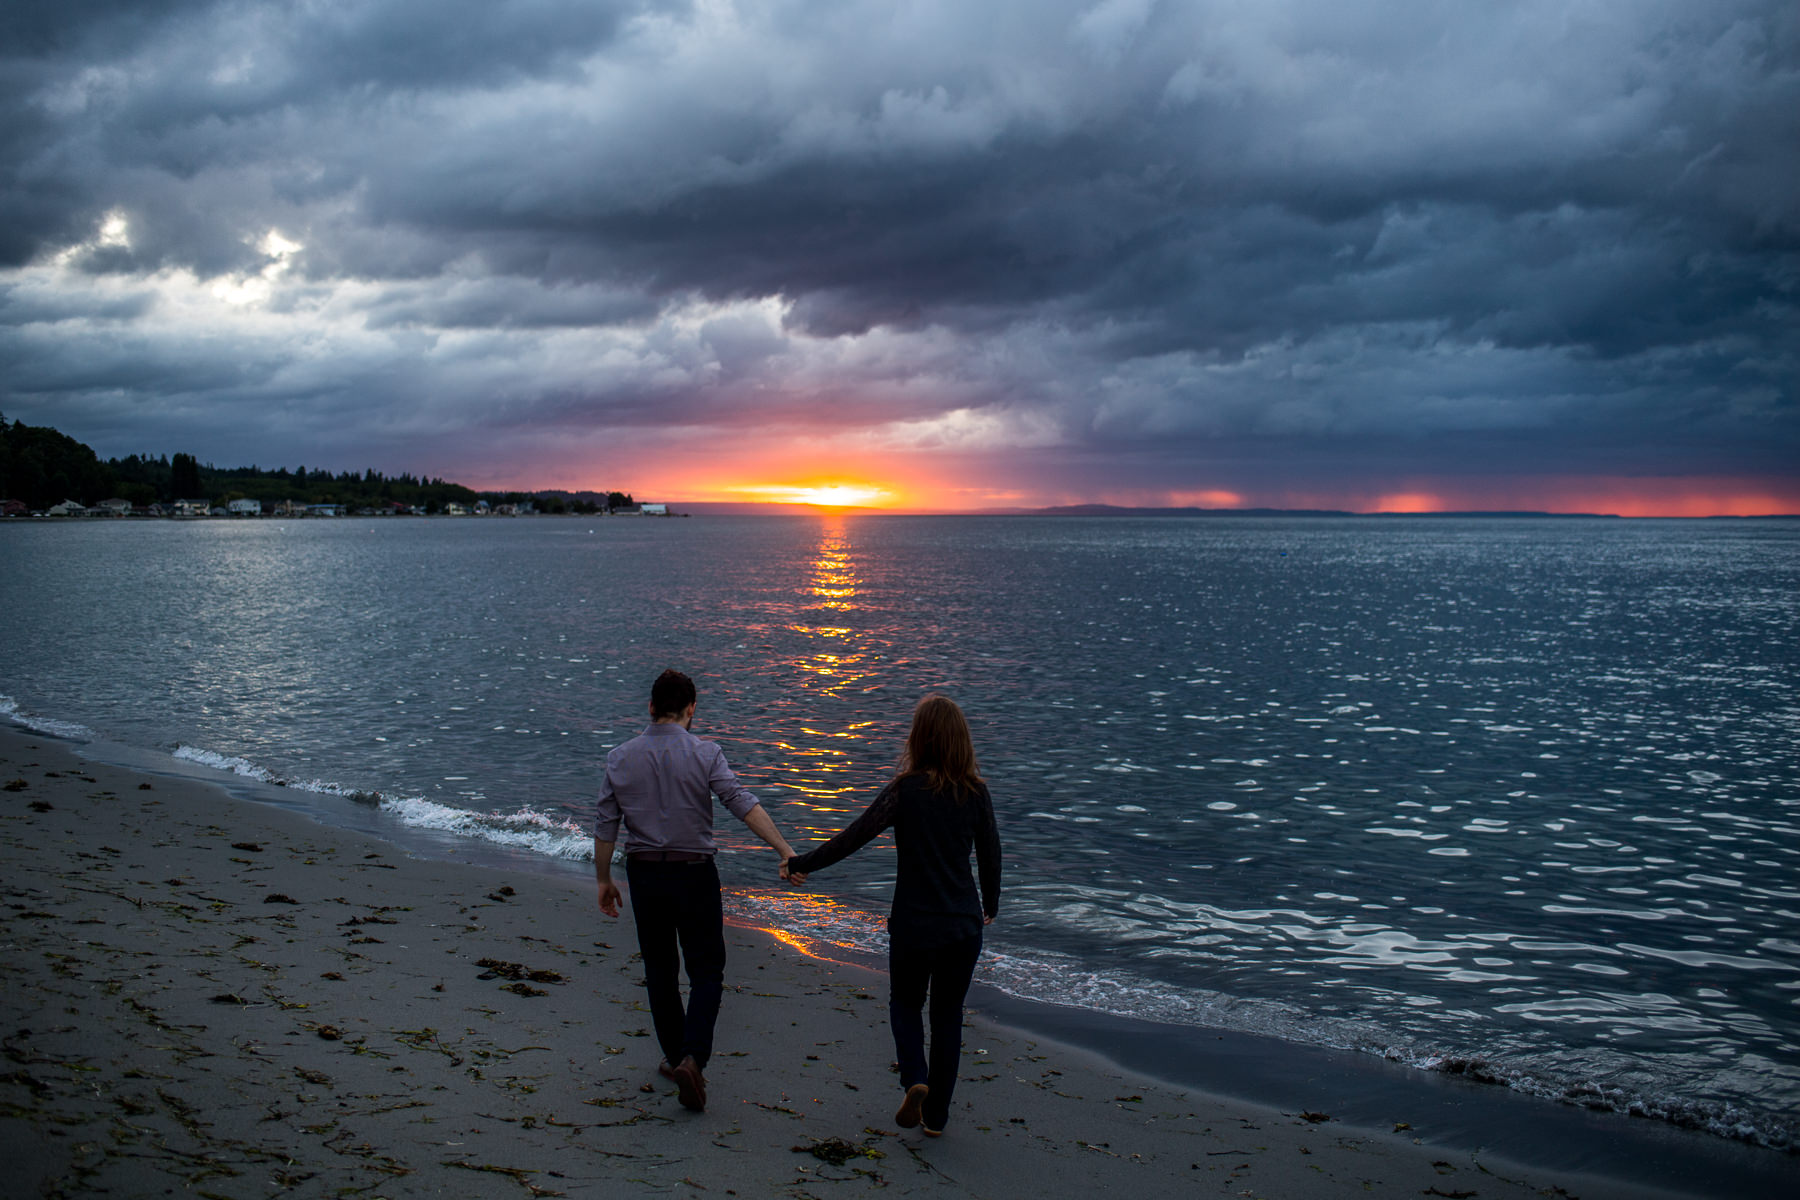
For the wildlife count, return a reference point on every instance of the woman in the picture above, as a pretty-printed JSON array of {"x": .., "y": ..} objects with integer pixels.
[{"x": 939, "y": 809}]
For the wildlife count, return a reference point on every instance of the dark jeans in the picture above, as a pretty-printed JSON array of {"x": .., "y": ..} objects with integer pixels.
[
  {"x": 679, "y": 902},
  {"x": 944, "y": 972}
]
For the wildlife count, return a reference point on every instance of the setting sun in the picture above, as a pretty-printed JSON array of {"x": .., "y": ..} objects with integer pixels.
[
  {"x": 825, "y": 495},
  {"x": 837, "y": 494}
]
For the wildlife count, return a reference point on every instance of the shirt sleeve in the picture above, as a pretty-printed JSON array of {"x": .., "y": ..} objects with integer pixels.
[
  {"x": 607, "y": 813},
  {"x": 736, "y": 798},
  {"x": 987, "y": 857},
  {"x": 859, "y": 833}
]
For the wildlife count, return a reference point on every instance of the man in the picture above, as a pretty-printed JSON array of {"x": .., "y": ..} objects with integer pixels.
[{"x": 661, "y": 784}]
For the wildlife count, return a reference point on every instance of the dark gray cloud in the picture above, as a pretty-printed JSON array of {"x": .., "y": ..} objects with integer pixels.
[{"x": 1195, "y": 241}]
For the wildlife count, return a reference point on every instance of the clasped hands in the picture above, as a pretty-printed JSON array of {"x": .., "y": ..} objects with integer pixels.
[{"x": 788, "y": 876}]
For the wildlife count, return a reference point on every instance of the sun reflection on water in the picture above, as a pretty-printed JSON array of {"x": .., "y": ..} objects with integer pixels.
[
  {"x": 833, "y": 660},
  {"x": 834, "y": 580},
  {"x": 818, "y": 926}
]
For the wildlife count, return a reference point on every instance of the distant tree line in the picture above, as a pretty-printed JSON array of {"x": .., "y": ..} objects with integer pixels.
[
  {"x": 563, "y": 502},
  {"x": 41, "y": 467},
  {"x": 144, "y": 480}
]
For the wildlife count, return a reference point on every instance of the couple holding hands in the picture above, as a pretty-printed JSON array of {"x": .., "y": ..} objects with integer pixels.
[{"x": 660, "y": 785}]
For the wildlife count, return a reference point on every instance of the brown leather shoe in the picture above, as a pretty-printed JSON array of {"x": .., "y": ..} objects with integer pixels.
[{"x": 691, "y": 1084}]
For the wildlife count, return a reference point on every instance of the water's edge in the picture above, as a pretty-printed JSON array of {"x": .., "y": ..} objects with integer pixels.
[{"x": 1356, "y": 1089}]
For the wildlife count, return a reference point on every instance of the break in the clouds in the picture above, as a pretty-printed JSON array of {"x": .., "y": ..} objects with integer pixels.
[{"x": 1244, "y": 251}]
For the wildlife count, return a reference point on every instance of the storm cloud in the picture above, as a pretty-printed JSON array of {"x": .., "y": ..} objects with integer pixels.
[{"x": 1268, "y": 251}]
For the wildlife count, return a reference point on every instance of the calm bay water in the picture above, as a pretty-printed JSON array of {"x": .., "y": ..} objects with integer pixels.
[{"x": 1512, "y": 797}]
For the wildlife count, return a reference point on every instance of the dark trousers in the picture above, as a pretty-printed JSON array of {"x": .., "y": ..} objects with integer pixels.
[
  {"x": 678, "y": 904},
  {"x": 943, "y": 972}
]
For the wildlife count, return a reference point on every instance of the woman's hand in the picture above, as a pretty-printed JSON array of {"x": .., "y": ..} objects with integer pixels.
[{"x": 789, "y": 875}]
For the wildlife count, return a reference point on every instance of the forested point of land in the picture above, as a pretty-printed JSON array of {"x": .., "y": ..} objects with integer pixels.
[{"x": 40, "y": 467}]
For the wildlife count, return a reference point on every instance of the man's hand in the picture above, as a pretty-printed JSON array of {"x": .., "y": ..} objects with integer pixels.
[
  {"x": 764, "y": 828},
  {"x": 609, "y": 891}
]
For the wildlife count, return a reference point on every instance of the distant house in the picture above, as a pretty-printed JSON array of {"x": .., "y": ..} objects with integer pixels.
[
  {"x": 115, "y": 507},
  {"x": 13, "y": 508},
  {"x": 456, "y": 510},
  {"x": 245, "y": 508},
  {"x": 653, "y": 510},
  {"x": 68, "y": 508},
  {"x": 324, "y": 510},
  {"x": 193, "y": 508}
]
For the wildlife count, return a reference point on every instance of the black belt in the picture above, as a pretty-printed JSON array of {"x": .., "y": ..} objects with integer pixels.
[{"x": 668, "y": 856}]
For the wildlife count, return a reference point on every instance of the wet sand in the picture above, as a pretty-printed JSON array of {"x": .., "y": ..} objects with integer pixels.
[{"x": 205, "y": 996}]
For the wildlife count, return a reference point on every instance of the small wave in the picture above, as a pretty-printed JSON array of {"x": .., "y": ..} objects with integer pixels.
[
  {"x": 233, "y": 765},
  {"x": 224, "y": 762},
  {"x": 1053, "y": 979},
  {"x": 9, "y": 708},
  {"x": 1716, "y": 1117},
  {"x": 527, "y": 829}
]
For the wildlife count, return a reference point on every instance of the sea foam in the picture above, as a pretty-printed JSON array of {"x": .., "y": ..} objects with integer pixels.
[
  {"x": 526, "y": 829},
  {"x": 9, "y": 708}
]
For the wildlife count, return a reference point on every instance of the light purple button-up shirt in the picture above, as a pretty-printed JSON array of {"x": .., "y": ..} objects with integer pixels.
[{"x": 661, "y": 784}]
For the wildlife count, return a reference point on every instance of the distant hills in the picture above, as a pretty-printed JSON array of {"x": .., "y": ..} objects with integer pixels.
[{"x": 1112, "y": 510}]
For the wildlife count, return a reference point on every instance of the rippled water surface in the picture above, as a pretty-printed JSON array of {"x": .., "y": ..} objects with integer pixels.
[{"x": 1518, "y": 797}]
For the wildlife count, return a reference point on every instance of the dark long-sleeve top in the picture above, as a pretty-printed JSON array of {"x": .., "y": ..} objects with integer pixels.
[{"x": 935, "y": 898}]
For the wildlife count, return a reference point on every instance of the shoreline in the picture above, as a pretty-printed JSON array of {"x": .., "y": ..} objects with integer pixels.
[
  {"x": 206, "y": 991},
  {"x": 1454, "y": 1115}
]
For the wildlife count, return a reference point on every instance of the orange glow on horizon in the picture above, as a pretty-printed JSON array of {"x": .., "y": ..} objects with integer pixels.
[
  {"x": 828, "y": 480},
  {"x": 1410, "y": 502},
  {"x": 1677, "y": 502},
  {"x": 1209, "y": 498},
  {"x": 1621, "y": 496}
]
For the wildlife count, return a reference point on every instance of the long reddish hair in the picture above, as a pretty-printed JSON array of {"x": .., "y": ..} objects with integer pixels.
[{"x": 940, "y": 748}]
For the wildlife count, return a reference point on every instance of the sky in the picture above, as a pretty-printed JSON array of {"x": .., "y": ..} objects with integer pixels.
[{"x": 1386, "y": 256}]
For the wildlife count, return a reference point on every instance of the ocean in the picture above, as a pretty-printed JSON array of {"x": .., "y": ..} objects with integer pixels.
[{"x": 1514, "y": 799}]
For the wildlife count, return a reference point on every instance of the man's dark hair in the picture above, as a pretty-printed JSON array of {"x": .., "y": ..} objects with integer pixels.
[{"x": 671, "y": 694}]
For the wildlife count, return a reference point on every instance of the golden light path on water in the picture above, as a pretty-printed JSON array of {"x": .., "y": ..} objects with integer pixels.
[
  {"x": 833, "y": 662},
  {"x": 822, "y": 949}
]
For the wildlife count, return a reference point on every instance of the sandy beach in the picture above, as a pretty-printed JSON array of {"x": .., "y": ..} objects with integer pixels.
[{"x": 205, "y": 996}]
